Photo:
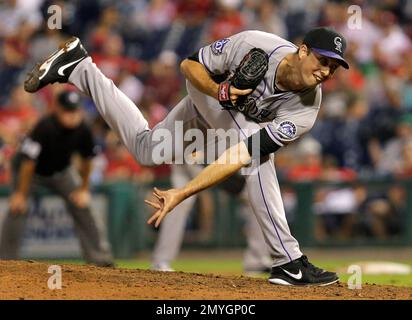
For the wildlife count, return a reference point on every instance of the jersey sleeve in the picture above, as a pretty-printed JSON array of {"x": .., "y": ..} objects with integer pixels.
[
  {"x": 260, "y": 144},
  {"x": 224, "y": 55},
  {"x": 287, "y": 128},
  {"x": 291, "y": 123},
  {"x": 275, "y": 135}
]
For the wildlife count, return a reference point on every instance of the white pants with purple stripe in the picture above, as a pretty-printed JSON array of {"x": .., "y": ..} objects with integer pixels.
[{"x": 194, "y": 111}]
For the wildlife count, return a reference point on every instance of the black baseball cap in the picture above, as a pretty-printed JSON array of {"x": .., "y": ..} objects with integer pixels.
[
  {"x": 327, "y": 42},
  {"x": 69, "y": 100}
]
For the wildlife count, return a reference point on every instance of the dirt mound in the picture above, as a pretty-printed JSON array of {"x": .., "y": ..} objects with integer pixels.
[{"x": 29, "y": 280}]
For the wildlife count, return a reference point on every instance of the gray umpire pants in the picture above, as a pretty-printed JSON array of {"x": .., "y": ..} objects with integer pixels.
[
  {"x": 172, "y": 228},
  {"x": 94, "y": 247},
  {"x": 195, "y": 111}
]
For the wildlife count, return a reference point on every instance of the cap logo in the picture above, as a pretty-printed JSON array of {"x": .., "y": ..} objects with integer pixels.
[{"x": 338, "y": 43}]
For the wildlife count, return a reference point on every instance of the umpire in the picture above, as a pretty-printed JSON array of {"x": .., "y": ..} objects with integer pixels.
[{"x": 44, "y": 159}]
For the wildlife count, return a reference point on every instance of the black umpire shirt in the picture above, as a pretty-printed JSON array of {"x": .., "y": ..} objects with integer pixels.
[{"x": 51, "y": 145}]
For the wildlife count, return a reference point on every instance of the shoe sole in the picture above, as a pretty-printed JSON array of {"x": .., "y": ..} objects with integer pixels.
[
  {"x": 39, "y": 71},
  {"x": 283, "y": 282}
]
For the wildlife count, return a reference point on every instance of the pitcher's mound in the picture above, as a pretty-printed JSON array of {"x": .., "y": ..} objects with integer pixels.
[{"x": 29, "y": 280}]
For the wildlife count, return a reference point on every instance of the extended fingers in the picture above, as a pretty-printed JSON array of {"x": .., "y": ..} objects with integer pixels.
[
  {"x": 153, "y": 204},
  {"x": 160, "y": 218},
  {"x": 157, "y": 193},
  {"x": 153, "y": 217}
]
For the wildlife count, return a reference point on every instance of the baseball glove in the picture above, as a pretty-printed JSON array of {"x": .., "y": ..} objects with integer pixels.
[{"x": 247, "y": 75}]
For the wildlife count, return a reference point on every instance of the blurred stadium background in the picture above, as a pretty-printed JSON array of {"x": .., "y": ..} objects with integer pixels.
[{"x": 348, "y": 184}]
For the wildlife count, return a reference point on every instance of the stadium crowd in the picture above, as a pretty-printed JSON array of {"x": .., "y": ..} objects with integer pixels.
[{"x": 364, "y": 129}]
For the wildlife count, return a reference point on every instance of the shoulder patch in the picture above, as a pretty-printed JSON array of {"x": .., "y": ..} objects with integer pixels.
[
  {"x": 288, "y": 128},
  {"x": 217, "y": 47}
]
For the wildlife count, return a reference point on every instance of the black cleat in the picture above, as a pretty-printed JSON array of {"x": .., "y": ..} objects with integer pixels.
[
  {"x": 57, "y": 67},
  {"x": 301, "y": 272}
]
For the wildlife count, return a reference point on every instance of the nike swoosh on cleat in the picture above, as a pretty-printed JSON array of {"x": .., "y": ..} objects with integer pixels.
[
  {"x": 47, "y": 64},
  {"x": 296, "y": 276},
  {"x": 62, "y": 68}
]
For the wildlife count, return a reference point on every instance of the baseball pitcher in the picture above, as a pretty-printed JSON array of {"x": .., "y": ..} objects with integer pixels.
[{"x": 256, "y": 84}]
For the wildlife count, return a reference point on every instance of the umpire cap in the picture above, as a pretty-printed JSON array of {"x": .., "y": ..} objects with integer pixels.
[
  {"x": 327, "y": 42},
  {"x": 69, "y": 100}
]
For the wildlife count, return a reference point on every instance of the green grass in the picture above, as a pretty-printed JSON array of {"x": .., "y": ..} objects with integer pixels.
[
  {"x": 341, "y": 266},
  {"x": 234, "y": 267}
]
